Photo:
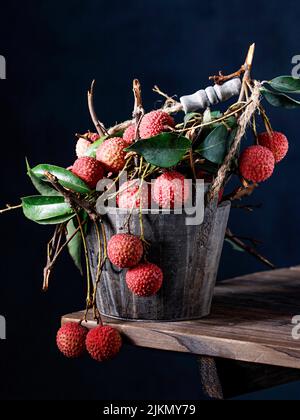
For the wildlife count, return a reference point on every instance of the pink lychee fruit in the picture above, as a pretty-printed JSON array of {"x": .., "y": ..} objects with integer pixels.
[
  {"x": 145, "y": 279},
  {"x": 276, "y": 142},
  {"x": 89, "y": 170},
  {"x": 70, "y": 340},
  {"x": 257, "y": 164},
  {"x": 154, "y": 123},
  {"x": 103, "y": 343},
  {"x": 125, "y": 251},
  {"x": 129, "y": 134},
  {"x": 111, "y": 154},
  {"x": 85, "y": 142},
  {"x": 133, "y": 195},
  {"x": 171, "y": 191}
]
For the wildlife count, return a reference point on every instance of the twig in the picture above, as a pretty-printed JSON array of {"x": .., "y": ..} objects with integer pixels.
[
  {"x": 248, "y": 68},
  {"x": 138, "y": 111},
  {"x": 252, "y": 251},
  {"x": 221, "y": 79},
  {"x": 51, "y": 259},
  {"x": 241, "y": 192},
  {"x": 10, "y": 208},
  {"x": 72, "y": 198},
  {"x": 99, "y": 126},
  {"x": 247, "y": 207}
]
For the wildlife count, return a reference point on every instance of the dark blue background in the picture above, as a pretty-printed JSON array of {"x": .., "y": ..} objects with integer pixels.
[{"x": 53, "y": 50}]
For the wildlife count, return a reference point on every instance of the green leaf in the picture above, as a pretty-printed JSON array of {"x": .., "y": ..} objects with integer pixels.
[
  {"x": 66, "y": 178},
  {"x": 91, "y": 152},
  {"x": 215, "y": 146},
  {"x": 279, "y": 99},
  {"x": 75, "y": 245},
  {"x": 164, "y": 150},
  {"x": 42, "y": 187},
  {"x": 47, "y": 210},
  {"x": 286, "y": 84},
  {"x": 235, "y": 247},
  {"x": 189, "y": 117}
]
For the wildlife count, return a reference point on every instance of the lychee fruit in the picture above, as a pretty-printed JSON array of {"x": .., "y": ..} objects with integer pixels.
[
  {"x": 133, "y": 195},
  {"x": 125, "y": 251},
  {"x": 257, "y": 164},
  {"x": 276, "y": 142},
  {"x": 154, "y": 123},
  {"x": 103, "y": 343},
  {"x": 145, "y": 279},
  {"x": 170, "y": 190},
  {"x": 89, "y": 170},
  {"x": 129, "y": 134},
  {"x": 85, "y": 142},
  {"x": 70, "y": 340},
  {"x": 112, "y": 155}
]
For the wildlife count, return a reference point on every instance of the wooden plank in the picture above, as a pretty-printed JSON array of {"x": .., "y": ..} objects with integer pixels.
[{"x": 251, "y": 321}]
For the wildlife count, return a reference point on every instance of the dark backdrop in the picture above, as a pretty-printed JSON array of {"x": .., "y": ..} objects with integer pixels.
[{"x": 53, "y": 50}]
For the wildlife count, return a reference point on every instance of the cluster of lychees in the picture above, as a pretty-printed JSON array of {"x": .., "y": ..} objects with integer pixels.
[
  {"x": 257, "y": 163},
  {"x": 125, "y": 251},
  {"x": 102, "y": 343},
  {"x": 143, "y": 278}
]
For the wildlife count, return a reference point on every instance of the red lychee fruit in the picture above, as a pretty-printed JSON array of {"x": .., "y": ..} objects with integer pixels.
[
  {"x": 170, "y": 190},
  {"x": 129, "y": 134},
  {"x": 103, "y": 343},
  {"x": 144, "y": 280},
  {"x": 85, "y": 142},
  {"x": 125, "y": 251},
  {"x": 257, "y": 164},
  {"x": 112, "y": 155},
  {"x": 276, "y": 142},
  {"x": 89, "y": 170},
  {"x": 70, "y": 340},
  {"x": 133, "y": 195},
  {"x": 154, "y": 123}
]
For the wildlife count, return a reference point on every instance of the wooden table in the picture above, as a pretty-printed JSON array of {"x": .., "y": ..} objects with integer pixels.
[{"x": 246, "y": 344}]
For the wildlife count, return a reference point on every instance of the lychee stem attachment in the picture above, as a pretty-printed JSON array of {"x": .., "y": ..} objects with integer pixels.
[{"x": 86, "y": 255}]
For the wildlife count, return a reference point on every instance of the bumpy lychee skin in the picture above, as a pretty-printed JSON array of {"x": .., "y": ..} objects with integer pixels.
[
  {"x": 70, "y": 340},
  {"x": 112, "y": 155},
  {"x": 257, "y": 164},
  {"x": 145, "y": 279},
  {"x": 154, "y": 123},
  {"x": 103, "y": 343},
  {"x": 82, "y": 146},
  {"x": 133, "y": 195},
  {"x": 125, "y": 251},
  {"x": 129, "y": 134},
  {"x": 276, "y": 142},
  {"x": 85, "y": 142},
  {"x": 170, "y": 190},
  {"x": 89, "y": 170}
]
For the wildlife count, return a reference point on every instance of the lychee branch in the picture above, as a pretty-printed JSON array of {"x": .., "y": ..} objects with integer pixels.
[
  {"x": 220, "y": 79},
  {"x": 54, "y": 247},
  {"x": 252, "y": 251},
  {"x": 10, "y": 208},
  {"x": 88, "y": 269},
  {"x": 72, "y": 198},
  {"x": 99, "y": 126}
]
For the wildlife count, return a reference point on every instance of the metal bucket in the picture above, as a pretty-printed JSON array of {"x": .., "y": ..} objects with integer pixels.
[{"x": 189, "y": 257}]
